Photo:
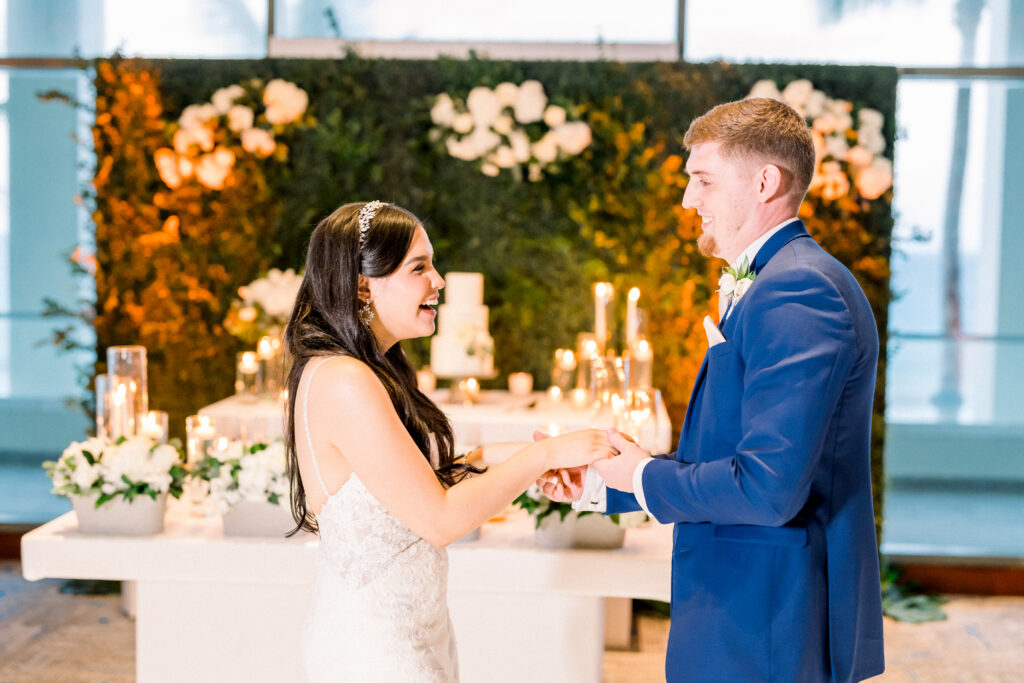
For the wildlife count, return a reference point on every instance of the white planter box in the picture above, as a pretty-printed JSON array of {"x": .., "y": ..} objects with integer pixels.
[
  {"x": 141, "y": 517},
  {"x": 576, "y": 531},
  {"x": 252, "y": 518}
]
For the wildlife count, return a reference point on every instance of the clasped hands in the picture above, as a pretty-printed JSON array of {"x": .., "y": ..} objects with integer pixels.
[{"x": 565, "y": 484}]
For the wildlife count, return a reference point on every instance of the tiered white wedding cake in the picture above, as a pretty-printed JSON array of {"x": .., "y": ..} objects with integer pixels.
[{"x": 462, "y": 346}]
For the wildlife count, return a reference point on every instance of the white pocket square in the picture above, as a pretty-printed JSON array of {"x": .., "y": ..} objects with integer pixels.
[{"x": 714, "y": 334}]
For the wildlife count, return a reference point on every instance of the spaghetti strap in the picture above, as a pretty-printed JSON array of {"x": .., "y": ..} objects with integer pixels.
[{"x": 305, "y": 419}]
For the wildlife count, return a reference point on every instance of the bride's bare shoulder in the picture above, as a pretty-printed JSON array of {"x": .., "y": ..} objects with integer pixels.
[{"x": 344, "y": 377}]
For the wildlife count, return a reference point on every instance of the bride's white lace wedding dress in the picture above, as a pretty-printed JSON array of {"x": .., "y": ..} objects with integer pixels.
[{"x": 379, "y": 609}]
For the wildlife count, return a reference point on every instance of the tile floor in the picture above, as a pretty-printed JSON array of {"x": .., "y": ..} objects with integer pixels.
[{"x": 47, "y": 636}]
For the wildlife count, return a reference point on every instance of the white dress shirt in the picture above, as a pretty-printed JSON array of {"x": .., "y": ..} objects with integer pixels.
[{"x": 595, "y": 491}]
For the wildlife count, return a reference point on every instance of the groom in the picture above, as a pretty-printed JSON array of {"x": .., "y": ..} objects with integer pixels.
[{"x": 774, "y": 566}]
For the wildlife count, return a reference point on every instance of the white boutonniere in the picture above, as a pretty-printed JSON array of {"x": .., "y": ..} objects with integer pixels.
[{"x": 735, "y": 282}]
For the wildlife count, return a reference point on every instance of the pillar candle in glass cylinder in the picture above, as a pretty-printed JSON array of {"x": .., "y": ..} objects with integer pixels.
[
  {"x": 248, "y": 376},
  {"x": 562, "y": 369},
  {"x": 270, "y": 353},
  {"x": 632, "y": 319},
  {"x": 641, "y": 365},
  {"x": 200, "y": 434},
  {"x": 154, "y": 425},
  {"x": 126, "y": 376},
  {"x": 603, "y": 294},
  {"x": 102, "y": 406}
]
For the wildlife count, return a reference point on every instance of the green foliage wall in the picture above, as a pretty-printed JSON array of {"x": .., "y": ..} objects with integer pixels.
[{"x": 612, "y": 214}]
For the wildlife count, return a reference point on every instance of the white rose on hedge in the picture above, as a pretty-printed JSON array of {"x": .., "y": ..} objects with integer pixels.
[
  {"x": 212, "y": 172},
  {"x": 535, "y": 173},
  {"x": 545, "y": 150},
  {"x": 483, "y": 105},
  {"x": 463, "y": 123},
  {"x": 490, "y": 169},
  {"x": 520, "y": 144},
  {"x": 240, "y": 118},
  {"x": 286, "y": 102},
  {"x": 530, "y": 102},
  {"x": 504, "y": 157},
  {"x": 481, "y": 141},
  {"x": 443, "y": 111},
  {"x": 506, "y": 93},
  {"x": 167, "y": 166},
  {"x": 196, "y": 115},
  {"x": 871, "y": 139},
  {"x": 573, "y": 137},
  {"x": 870, "y": 118},
  {"x": 554, "y": 115},
  {"x": 837, "y": 147},
  {"x": 258, "y": 142},
  {"x": 815, "y": 104},
  {"x": 859, "y": 156},
  {"x": 873, "y": 181},
  {"x": 796, "y": 93},
  {"x": 461, "y": 149},
  {"x": 765, "y": 88},
  {"x": 225, "y": 97},
  {"x": 504, "y": 124}
]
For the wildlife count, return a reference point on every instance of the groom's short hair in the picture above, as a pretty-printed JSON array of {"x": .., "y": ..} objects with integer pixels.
[{"x": 759, "y": 128}]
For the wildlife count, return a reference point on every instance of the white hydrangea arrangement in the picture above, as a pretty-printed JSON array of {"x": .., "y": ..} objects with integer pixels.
[
  {"x": 511, "y": 127},
  {"x": 264, "y": 305},
  {"x": 256, "y": 473},
  {"x": 843, "y": 152},
  {"x": 540, "y": 506},
  {"x": 207, "y": 138},
  {"x": 126, "y": 467}
]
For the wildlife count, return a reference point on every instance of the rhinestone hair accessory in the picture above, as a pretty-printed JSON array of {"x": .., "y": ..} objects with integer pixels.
[{"x": 366, "y": 215}]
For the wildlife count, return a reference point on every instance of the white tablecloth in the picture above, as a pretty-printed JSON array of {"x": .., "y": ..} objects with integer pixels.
[
  {"x": 498, "y": 417},
  {"x": 235, "y": 606}
]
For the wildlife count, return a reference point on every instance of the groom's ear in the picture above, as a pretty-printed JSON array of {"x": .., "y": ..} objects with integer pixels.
[{"x": 772, "y": 182}]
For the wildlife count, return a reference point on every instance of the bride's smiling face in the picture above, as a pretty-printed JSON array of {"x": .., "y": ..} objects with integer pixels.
[{"x": 405, "y": 302}]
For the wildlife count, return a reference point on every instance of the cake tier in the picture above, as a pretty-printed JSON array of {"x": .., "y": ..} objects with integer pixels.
[
  {"x": 461, "y": 320},
  {"x": 455, "y": 356},
  {"x": 464, "y": 289}
]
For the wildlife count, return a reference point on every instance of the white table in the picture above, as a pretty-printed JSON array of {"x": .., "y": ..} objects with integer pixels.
[
  {"x": 212, "y": 608},
  {"x": 498, "y": 417}
]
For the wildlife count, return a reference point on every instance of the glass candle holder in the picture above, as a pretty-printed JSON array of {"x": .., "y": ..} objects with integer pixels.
[
  {"x": 102, "y": 406},
  {"x": 154, "y": 425},
  {"x": 603, "y": 314},
  {"x": 248, "y": 376},
  {"x": 200, "y": 434},
  {"x": 520, "y": 383},
  {"x": 562, "y": 369},
  {"x": 129, "y": 395},
  {"x": 641, "y": 364},
  {"x": 271, "y": 357}
]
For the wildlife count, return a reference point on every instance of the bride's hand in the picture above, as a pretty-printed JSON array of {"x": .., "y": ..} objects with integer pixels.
[{"x": 578, "y": 448}]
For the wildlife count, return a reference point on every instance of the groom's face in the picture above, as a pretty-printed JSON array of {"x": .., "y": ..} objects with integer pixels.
[{"x": 720, "y": 189}]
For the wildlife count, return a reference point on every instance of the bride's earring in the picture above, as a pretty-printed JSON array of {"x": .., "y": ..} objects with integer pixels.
[{"x": 366, "y": 313}]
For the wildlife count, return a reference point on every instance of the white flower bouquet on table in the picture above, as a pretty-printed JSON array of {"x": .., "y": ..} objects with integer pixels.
[
  {"x": 254, "y": 473},
  {"x": 118, "y": 486},
  {"x": 127, "y": 468},
  {"x": 249, "y": 487},
  {"x": 572, "y": 529},
  {"x": 264, "y": 305},
  {"x": 510, "y": 127}
]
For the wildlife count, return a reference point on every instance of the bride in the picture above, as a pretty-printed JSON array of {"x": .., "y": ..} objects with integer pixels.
[{"x": 370, "y": 457}]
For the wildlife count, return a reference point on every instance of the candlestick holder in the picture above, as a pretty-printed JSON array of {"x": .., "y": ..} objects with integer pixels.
[{"x": 604, "y": 293}]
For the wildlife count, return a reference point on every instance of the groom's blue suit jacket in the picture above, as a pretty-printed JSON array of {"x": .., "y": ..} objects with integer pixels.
[{"x": 775, "y": 563}]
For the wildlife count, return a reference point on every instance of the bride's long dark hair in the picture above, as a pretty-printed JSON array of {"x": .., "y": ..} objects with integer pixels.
[{"x": 325, "y": 322}]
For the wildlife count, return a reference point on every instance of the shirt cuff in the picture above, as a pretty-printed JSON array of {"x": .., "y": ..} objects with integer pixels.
[
  {"x": 595, "y": 494},
  {"x": 638, "y": 484}
]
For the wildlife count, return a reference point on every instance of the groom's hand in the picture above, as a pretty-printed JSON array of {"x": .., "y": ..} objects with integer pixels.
[{"x": 617, "y": 472}]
